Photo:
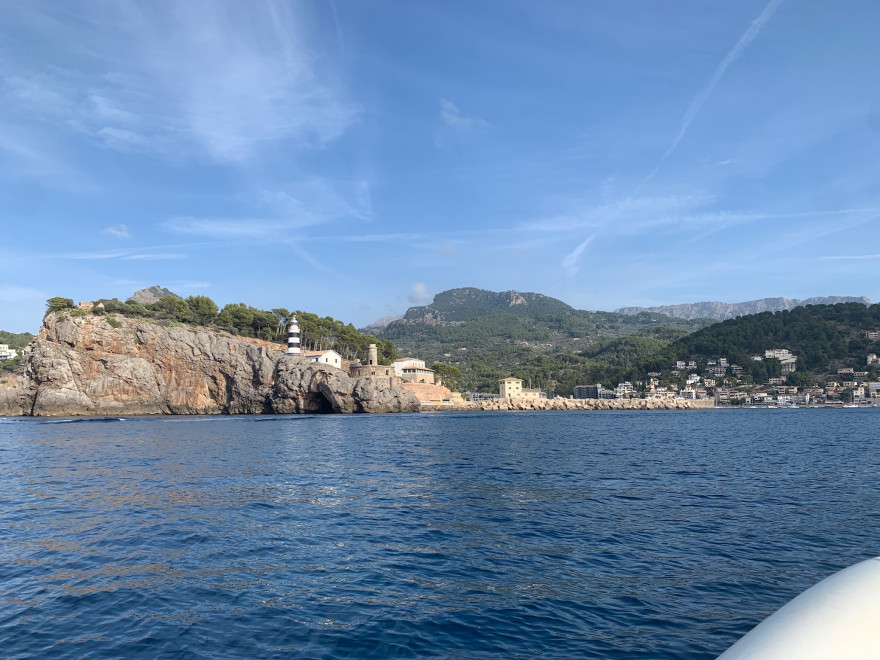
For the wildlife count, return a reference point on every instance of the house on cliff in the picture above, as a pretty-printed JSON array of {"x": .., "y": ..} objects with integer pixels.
[{"x": 330, "y": 357}]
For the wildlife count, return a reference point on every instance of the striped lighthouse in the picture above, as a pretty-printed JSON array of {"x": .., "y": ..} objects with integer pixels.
[{"x": 293, "y": 337}]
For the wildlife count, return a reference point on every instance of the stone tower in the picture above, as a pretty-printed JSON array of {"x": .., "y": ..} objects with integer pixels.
[
  {"x": 372, "y": 355},
  {"x": 293, "y": 347}
]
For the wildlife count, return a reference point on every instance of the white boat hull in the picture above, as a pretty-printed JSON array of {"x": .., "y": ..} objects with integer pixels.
[{"x": 837, "y": 619}]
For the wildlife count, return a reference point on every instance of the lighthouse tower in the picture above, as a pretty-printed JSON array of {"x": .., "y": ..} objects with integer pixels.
[{"x": 293, "y": 337}]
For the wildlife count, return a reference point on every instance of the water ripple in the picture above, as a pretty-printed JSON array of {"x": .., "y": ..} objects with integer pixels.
[{"x": 593, "y": 535}]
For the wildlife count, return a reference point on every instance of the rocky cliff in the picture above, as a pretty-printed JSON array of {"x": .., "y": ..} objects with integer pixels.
[{"x": 85, "y": 365}]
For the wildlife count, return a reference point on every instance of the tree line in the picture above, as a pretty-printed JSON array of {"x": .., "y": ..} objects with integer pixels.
[{"x": 317, "y": 333}]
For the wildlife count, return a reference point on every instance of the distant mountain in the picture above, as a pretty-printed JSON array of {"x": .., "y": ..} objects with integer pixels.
[
  {"x": 722, "y": 311},
  {"x": 151, "y": 295},
  {"x": 467, "y": 304},
  {"x": 489, "y": 334},
  {"x": 380, "y": 324}
]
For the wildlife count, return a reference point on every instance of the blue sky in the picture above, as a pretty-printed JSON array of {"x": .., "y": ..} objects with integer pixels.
[{"x": 354, "y": 158}]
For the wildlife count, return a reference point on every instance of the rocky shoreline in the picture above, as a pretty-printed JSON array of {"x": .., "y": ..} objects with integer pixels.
[
  {"x": 96, "y": 365},
  {"x": 573, "y": 404}
]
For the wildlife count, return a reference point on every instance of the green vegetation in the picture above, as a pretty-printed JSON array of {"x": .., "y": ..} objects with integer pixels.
[
  {"x": 450, "y": 376},
  {"x": 823, "y": 337},
  {"x": 58, "y": 303},
  {"x": 488, "y": 335},
  {"x": 321, "y": 334},
  {"x": 10, "y": 365},
  {"x": 553, "y": 346},
  {"x": 240, "y": 319},
  {"x": 15, "y": 340}
]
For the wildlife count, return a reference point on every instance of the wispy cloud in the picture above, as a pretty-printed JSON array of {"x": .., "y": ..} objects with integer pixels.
[
  {"x": 452, "y": 116},
  {"x": 11, "y": 293},
  {"x": 852, "y": 257},
  {"x": 418, "y": 294},
  {"x": 119, "y": 231},
  {"x": 306, "y": 203},
  {"x": 584, "y": 216},
  {"x": 209, "y": 78},
  {"x": 225, "y": 228},
  {"x": 156, "y": 256},
  {"x": 25, "y": 157},
  {"x": 124, "y": 255},
  {"x": 703, "y": 95},
  {"x": 570, "y": 262}
]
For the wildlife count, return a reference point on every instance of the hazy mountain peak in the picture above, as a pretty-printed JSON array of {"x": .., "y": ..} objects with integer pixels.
[{"x": 721, "y": 310}]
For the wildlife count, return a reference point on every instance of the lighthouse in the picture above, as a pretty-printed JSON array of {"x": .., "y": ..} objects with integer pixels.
[{"x": 293, "y": 337}]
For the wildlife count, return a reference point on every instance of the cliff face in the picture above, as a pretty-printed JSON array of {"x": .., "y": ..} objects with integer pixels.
[{"x": 81, "y": 365}]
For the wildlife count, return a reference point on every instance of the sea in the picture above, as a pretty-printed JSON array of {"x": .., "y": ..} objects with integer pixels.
[{"x": 582, "y": 534}]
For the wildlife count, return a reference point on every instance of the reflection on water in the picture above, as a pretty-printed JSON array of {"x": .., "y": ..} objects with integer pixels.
[{"x": 647, "y": 534}]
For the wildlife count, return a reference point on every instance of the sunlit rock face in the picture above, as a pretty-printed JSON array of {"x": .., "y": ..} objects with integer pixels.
[{"x": 84, "y": 365}]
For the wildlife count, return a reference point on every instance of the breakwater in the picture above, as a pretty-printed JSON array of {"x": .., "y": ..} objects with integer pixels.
[{"x": 574, "y": 404}]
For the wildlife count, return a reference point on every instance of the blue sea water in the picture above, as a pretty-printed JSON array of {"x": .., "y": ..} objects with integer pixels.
[{"x": 473, "y": 535}]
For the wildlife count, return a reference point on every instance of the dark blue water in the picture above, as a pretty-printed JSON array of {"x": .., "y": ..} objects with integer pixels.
[{"x": 582, "y": 534}]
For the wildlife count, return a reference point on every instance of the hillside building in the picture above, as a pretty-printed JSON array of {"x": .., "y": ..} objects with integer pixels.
[
  {"x": 416, "y": 374},
  {"x": 7, "y": 353},
  {"x": 330, "y": 357},
  {"x": 413, "y": 370}
]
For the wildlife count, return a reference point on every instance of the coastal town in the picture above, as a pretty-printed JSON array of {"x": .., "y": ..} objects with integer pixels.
[
  {"x": 775, "y": 377},
  {"x": 728, "y": 385},
  {"x": 716, "y": 382}
]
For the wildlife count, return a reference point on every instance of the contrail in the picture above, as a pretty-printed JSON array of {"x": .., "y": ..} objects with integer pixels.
[
  {"x": 700, "y": 99},
  {"x": 338, "y": 29},
  {"x": 570, "y": 262}
]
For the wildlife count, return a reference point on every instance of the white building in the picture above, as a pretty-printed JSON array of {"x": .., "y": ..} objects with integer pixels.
[
  {"x": 417, "y": 374},
  {"x": 400, "y": 363},
  {"x": 7, "y": 353},
  {"x": 330, "y": 357},
  {"x": 511, "y": 388},
  {"x": 623, "y": 390}
]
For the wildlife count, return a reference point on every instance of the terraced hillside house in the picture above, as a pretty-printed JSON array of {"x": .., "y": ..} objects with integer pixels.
[{"x": 413, "y": 370}]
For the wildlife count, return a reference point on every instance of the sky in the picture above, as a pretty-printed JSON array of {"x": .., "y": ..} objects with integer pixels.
[{"x": 352, "y": 159}]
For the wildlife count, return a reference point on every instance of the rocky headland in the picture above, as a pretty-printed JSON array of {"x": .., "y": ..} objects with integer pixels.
[{"x": 112, "y": 365}]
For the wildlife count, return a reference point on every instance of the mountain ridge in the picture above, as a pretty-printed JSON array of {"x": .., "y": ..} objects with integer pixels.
[{"x": 722, "y": 311}]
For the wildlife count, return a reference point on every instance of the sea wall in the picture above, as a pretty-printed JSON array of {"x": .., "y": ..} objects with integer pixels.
[
  {"x": 577, "y": 404},
  {"x": 112, "y": 365}
]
